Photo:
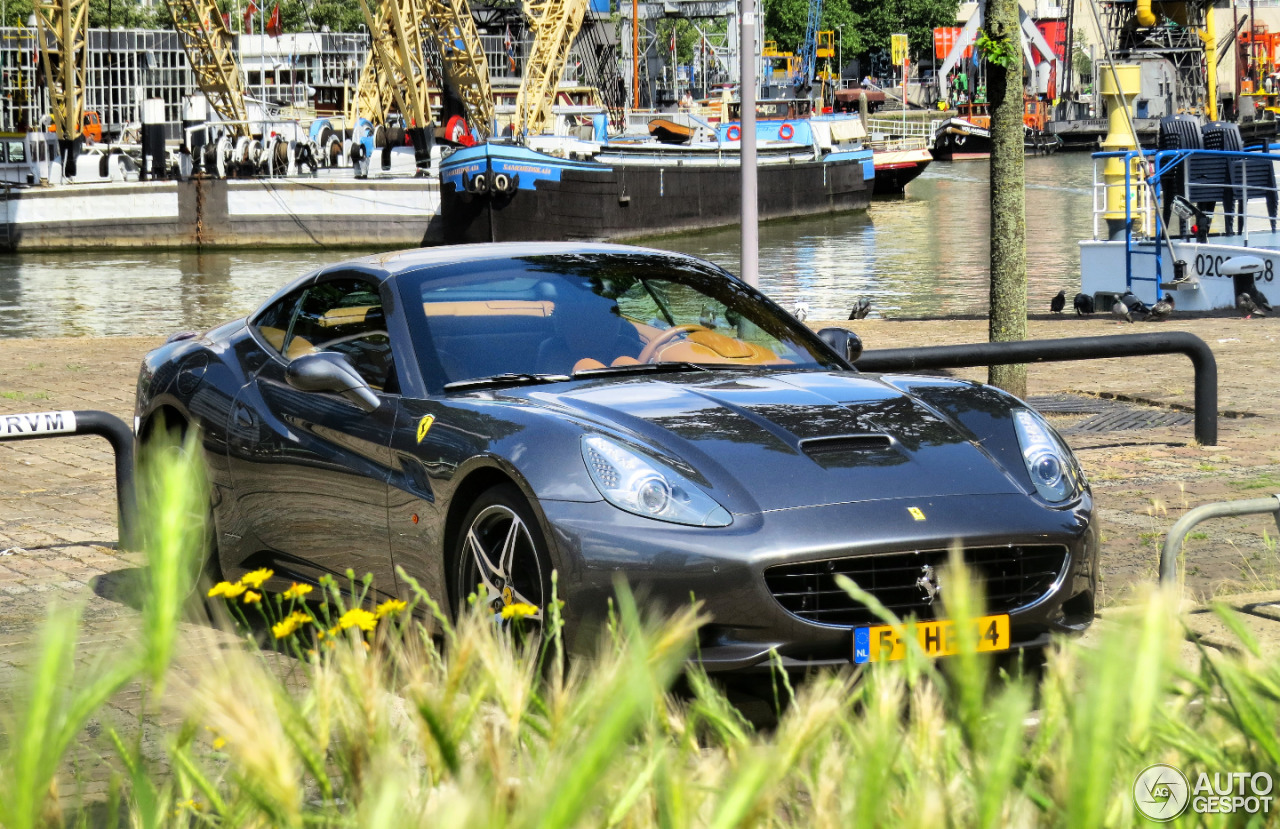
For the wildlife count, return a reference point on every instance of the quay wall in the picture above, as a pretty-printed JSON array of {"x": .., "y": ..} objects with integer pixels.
[{"x": 222, "y": 213}]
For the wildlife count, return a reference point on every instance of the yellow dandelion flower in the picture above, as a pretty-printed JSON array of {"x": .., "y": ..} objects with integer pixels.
[
  {"x": 257, "y": 577},
  {"x": 252, "y": 598},
  {"x": 219, "y": 743},
  {"x": 391, "y": 606},
  {"x": 519, "y": 610},
  {"x": 231, "y": 591},
  {"x": 219, "y": 589},
  {"x": 290, "y": 623},
  {"x": 358, "y": 617},
  {"x": 296, "y": 591}
]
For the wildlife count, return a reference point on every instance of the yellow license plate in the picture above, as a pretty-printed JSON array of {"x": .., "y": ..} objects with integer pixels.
[{"x": 886, "y": 643}]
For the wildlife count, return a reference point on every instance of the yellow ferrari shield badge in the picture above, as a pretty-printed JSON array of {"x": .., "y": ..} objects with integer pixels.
[
  {"x": 424, "y": 426},
  {"x": 916, "y": 512}
]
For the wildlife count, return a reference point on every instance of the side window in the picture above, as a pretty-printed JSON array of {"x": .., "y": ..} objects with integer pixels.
[
  {"x": 273, "y": 323},
  {"x": 345, "y": 316}
]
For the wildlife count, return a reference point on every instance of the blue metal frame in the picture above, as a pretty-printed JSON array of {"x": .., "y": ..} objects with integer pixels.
[{"x": 1161, "y": 162}]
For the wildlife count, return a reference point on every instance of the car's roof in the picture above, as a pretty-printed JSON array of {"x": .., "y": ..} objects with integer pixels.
[{"x": 404, "y": 261}]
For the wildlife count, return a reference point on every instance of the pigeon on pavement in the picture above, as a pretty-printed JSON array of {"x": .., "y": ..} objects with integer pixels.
[
  {"x": 1247, "y": 306},
  {"x": 1162, "y": 309}
]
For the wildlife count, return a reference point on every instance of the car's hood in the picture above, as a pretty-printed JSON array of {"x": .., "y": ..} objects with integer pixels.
[{"x": 791, "y": 439}]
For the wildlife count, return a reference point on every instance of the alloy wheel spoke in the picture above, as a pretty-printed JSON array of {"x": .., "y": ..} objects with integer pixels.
[
  {"x": 484, "y": 566},
  {"x": 506, "y": 558}
]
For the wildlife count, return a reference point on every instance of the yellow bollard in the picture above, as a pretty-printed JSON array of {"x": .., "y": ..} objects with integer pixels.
[{"x": 1120, "y": 138}]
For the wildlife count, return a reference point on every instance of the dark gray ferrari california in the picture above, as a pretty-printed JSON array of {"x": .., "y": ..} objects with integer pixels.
[{"x": 484, "y": 415}]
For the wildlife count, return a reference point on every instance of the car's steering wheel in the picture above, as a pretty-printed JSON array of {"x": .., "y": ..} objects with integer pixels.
[{"x": 651, "y": 350}]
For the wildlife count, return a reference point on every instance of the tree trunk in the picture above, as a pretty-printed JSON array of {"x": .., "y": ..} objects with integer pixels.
[{"x": 1008, "y": 319}]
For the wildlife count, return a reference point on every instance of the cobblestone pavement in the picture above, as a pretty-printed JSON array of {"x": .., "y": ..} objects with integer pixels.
[{"x": 57, "y": 504}]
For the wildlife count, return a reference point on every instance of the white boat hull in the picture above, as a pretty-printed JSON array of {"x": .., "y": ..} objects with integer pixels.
[{"x": 1206, "y": 288}]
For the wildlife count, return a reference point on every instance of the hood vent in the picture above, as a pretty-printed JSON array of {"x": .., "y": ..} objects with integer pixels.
[{"x": 852, "y": 450}]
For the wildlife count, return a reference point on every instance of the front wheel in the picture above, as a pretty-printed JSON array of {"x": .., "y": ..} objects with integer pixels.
[{"x": 501, "y": 557}]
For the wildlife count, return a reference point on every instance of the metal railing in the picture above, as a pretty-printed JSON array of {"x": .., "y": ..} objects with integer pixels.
[
  {"x": 1065, "y": 350},
  {"x": 900, "y": 128},
  {"x": 1143, "y": 193},
  {"x": 1178, "y": 533},
  {"x": 36, "y": 425}
]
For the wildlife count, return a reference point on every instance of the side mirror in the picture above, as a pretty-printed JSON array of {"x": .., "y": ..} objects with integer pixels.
[
  {"x": 844, "y": 342},
  {"x": 327, "y": 371}
]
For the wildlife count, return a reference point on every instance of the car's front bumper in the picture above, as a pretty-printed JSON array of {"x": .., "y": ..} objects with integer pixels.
[{"x": 667, "y": 565}]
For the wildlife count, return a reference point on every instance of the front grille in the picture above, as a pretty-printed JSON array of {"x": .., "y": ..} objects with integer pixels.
[{"x": 1011, "y": 577}]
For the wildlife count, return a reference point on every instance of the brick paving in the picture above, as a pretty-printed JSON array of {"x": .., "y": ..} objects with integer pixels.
[{"x": 57, "y": 502}]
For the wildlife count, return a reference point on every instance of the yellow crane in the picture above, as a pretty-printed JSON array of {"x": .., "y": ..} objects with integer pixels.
[
  {"x": 555, "y": 24},
  {"x": 450, "y": 25},
  {"x": 397, "y": 62},
  {"x": 373, "y": 97},
  {"x": 466, "y": 70},
  {"x": 207, "y": 42},
  {"x": 64, "y": 45}
]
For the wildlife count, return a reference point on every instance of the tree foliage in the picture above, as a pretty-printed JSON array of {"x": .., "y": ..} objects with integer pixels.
[
  {"x": 126, "y": 14},
  {"x": 16, "y": 12},
  {"x": 867, "y": 23}
]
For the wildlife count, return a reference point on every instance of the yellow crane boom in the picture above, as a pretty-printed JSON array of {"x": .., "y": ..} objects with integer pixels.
[
  {"x": 373, "y": 96},
  {"x": 466, "y": 69},
  {"x": 555, "y": 24},
  {"x": 397, "y": 47},
  {"x": 207, "y": 42},
  {"x": 64, "y": 45}
]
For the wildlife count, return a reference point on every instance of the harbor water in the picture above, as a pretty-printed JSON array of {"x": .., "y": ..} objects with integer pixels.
[{"x": 925, "y": 255}]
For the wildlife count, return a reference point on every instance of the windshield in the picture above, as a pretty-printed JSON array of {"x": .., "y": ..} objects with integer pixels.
[{"x": 572, "y": 313}]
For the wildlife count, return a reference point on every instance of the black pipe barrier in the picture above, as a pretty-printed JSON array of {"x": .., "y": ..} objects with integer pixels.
[
  {"x": 34, "y": 425},
  {"x": 1071, "y": 348}
]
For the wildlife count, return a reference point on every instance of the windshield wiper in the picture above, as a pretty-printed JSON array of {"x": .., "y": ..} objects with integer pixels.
[
  {"x": 656, "y": 368},
  {"x": 507, "y": 379}
]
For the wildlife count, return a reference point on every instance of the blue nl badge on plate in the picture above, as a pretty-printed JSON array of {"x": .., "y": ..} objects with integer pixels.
[{"x": 861, "y": 645}]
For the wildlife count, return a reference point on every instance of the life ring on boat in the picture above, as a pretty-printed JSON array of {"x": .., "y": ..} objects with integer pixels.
[
  {"x": 786, "y": 131},
  {"x": 734, "y": 132}
]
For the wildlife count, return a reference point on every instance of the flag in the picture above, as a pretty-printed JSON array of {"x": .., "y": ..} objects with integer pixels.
[
  {"x": 511, "y": 50},
  {"x": 248, "y": 17},
  {"x": 226, "y": 20},
  {"x": 673, "y": 41},
  {"x": 273, "y": 25}
]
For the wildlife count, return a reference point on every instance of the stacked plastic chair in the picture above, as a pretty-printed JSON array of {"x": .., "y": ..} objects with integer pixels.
[
  {"x": 1244, "y": 179},
  {"x": 1186, "y": 179}
]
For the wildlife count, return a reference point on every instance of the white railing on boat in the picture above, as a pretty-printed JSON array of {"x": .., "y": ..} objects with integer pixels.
[
  {"x": 1148, "y": 173},
  {"x": 1157, "y": 184},
  {"x": 898, "y": 127}
]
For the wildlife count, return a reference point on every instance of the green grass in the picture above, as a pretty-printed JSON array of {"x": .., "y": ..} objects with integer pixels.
[
  {"x": 421, "y": 721},
  {"x": 1264, "y": 481},
  {"x": 24, "y": 395}
]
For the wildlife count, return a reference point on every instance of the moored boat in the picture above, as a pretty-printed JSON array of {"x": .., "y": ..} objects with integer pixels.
[
  {"x": 968, "y": 136},
  {"x": 1204, "y": 261},
  {"x": 901, "y": 152},
  {"x": 565, "y": 188}
]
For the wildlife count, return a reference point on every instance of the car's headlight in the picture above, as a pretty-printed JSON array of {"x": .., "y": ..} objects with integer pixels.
[
  {"x": 1051, "y": 465},
  {"x": 639, "y": 484}
]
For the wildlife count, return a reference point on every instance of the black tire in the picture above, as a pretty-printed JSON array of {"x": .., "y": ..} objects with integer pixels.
[{"x": 526, "y": 574}]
